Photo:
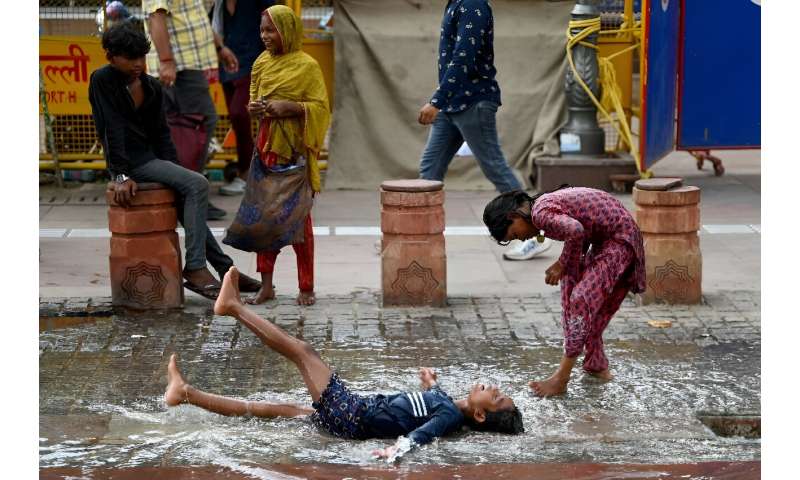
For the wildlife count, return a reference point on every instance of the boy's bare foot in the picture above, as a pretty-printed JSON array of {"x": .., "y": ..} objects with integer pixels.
[
  {"x": 551, "y": 387},
  {"x": 604, "y": 375},
  {"x": 228, "y": 299},
  {"x": 176, "y": 385},
  {"x": 266, "y": 294},
  {"x": 306, "y": 298}
]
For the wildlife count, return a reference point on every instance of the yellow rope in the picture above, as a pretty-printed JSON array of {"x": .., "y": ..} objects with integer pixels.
[{"x": 612, "y": 95}]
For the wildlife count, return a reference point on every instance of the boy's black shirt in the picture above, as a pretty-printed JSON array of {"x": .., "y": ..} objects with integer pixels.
[{"x": 130, "y": 136}]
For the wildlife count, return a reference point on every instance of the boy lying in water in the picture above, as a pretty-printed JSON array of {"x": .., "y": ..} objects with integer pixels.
[{"x": 415, "y": 417}]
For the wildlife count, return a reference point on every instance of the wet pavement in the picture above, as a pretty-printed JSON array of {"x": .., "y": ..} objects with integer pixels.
[
  {"x": 102, "y": 371},
  {"x": 549, "y": 471},
  {"x": 102, "y": 381}
]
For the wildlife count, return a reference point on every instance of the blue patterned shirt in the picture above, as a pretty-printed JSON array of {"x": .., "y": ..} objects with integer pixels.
[{"x": 466, "y": 57}]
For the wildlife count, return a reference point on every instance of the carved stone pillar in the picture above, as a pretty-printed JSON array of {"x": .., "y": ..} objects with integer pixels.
[
  {"x": 145, "y": 257},
  {"x": 413, "y": 257},
  {"x": 668, "y": 214},
  {"x": 582, "y": 135}
]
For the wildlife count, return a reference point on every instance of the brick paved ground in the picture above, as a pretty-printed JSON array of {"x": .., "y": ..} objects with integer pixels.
[{"x": 723, "y": 316}]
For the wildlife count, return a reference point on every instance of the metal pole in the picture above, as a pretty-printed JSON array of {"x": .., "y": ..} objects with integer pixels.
[
  {"x": 48, "y": 126},
  {"x": 582, "y": 135}
]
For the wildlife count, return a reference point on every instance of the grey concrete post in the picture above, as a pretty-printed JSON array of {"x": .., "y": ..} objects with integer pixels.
[{"x": 582, "y": 135}]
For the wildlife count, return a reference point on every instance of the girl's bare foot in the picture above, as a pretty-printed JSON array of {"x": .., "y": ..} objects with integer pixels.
[
  {"x": 266, "y": 294},
  {"x": 229, "y": 297},
  {"x": 176, "y": 385},
  {"x": 604, "y": 375},
  {"x": 553, "y": 386},
  {"x": 306, "y": 298}
]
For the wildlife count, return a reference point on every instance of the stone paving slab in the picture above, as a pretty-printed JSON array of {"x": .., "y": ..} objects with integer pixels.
[{"x": 723, "y": 316}]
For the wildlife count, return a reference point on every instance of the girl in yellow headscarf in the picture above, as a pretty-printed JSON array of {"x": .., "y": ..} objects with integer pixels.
[{"x": 287, "y": 93}]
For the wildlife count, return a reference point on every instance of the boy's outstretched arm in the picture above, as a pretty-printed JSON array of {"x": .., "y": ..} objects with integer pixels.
[
  {"x": 427, "y": 378},
  {"x": 441, "y": 423}
]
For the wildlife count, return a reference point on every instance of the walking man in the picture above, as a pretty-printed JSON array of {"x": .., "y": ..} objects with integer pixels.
[{"x": 464, "y": 106}]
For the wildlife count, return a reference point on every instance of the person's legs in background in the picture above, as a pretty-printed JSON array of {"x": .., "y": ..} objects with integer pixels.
[
  {"x": 305, "y": 264},
  {"x": 237, "y": 95},
  {"x": 193, "y": 191},
  {"x": 192, "y": 96},
  {"x": 444, "y": 141},
  {"x": 265, "y": 261},
  {"x": 479, "y": 128}
]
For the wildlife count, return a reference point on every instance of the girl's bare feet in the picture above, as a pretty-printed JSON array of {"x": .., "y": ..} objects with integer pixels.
[
  {"x": 176, "y": 385},
  {"x": 553, "y": 386},
  {"x": 306, "y": 298},
  {"x": 266, "y": 294},
  {"x": 604, "y": 375},
  {"x": 229, "y": 297}
]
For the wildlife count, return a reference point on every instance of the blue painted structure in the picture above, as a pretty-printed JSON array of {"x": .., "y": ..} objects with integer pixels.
[
  {"x": 720, "y": 77},
  {"x": 659, "y": 81}
]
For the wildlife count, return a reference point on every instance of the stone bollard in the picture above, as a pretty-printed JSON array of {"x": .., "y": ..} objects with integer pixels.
[
  {"x": 145, "y": 258},
  {"x": 668, "y": 215},
  {"x": 413, "y": 258}
]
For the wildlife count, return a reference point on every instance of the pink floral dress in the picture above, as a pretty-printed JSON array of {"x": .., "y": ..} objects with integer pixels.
[{"x": 603, "y": 259}]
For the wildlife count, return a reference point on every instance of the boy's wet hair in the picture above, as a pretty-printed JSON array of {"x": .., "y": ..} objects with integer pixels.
[
  {"x": 496, "y": 213},
  {"x": 126, "y": 40},
  {"x": 503, "y": 421}
]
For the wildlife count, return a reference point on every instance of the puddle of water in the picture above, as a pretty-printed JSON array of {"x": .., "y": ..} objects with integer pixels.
[
  {"x": 57, "y": 323},
  {"x": 647, "y": 414}
]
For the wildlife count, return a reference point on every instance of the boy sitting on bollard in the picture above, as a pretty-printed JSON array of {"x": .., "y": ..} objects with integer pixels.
[{"x": 128, "y": 113}]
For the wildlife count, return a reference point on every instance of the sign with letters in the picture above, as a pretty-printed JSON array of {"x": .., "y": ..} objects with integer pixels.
[{"x": 67, "y": 62}]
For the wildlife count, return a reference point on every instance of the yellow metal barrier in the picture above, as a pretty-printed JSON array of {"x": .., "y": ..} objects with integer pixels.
[{"x": 68, "y": 60}]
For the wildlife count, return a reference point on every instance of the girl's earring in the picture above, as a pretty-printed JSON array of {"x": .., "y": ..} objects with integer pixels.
[{"x": 540, "y": 237}]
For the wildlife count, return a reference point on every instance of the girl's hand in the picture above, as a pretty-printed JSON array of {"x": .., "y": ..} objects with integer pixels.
[
  {"x": 256, "y": 108},
  {"x": 553, "y": 274},
  {"x": 427, "y": 377}
]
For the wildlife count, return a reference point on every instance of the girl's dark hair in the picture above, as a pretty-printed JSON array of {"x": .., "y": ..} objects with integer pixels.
[
  {"x": 496, "y": 213},
  {"x": 126, "y": 40},
  {"x": 503, "y": 421}
]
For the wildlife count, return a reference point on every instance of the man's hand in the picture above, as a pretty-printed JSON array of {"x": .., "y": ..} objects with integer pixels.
[
  {"x": 124, "y": 192},
  {"x": 283, "y": 108},
  {"x": 427, "y": 114},
  {"x": 167, "y": 72},
  {"x": 553, "y": 274},
  {"x": 229, "y": 60},
  {"x": 427, "y": 377},
  {"x": 387, "y": 452}
]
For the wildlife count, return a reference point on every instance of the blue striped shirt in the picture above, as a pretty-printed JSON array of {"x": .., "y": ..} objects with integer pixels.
[{"x": 422, "y": 416}]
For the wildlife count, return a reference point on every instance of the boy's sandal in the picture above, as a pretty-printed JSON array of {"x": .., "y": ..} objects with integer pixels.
[{"x": 210, "y": 291}]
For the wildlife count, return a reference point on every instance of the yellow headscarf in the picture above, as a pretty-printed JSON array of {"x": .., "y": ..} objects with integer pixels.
[{"x": 293, "y": 75}]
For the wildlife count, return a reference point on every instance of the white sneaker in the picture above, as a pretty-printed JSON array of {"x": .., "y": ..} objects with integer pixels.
[
  {"x": 236, "y": 187},
  {"x": 527, "y": 249}
]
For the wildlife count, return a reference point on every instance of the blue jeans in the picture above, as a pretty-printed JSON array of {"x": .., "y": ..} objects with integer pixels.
[
  {"x": 192, "y": 190},
  {"x": 475, "y": 125}
]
